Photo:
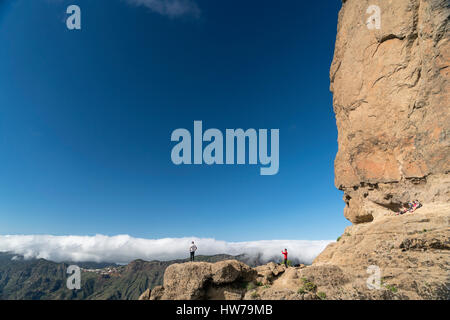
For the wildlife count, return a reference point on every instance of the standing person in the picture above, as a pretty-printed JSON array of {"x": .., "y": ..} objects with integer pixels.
[
  {"x": 192, "y": 249},
  {"x": 285, "y": 253}
]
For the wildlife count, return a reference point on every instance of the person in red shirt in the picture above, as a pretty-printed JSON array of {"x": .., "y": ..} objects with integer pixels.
[{"x": 285, "y": 253}]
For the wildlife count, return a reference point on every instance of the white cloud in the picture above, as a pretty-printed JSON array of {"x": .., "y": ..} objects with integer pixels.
[
  {"x": 171, "y": 8},
  {"x": 124, "y": 248}
]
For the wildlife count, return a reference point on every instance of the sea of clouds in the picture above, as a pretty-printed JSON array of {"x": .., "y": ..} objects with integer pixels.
[{"x": 124, "y": 248}]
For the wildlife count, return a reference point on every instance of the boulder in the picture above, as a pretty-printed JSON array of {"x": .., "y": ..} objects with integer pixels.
[
  {"x": 203, "y": 280},
  {"x": 231, "y": 270},
  {"x": 268, "y": 272},
  {"x": 186, "y": 281}
]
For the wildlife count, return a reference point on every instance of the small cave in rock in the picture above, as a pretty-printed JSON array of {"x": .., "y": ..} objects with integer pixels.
[
  {"x": 388, "y": 196},
  {"x": 373, "y": 186},
  {"x": 364, "y": 218},
  {"x": 393, "y": 206},
  {"x": 347, "y": 200},
  {"x": 416, "y": 181}
]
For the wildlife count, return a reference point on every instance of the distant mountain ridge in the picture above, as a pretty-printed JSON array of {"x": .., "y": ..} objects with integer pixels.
[{"x": 40, "y": 279}]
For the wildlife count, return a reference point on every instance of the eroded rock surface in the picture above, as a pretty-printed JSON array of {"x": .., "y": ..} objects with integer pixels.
[
  {"x": 391, "y": 99},
  {"x": 202, "y": 280},
  {"x": 329, "y": 280},
  {"x": 412, "y": 252}
]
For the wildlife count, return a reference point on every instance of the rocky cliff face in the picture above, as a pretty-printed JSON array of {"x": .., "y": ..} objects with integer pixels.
[
  {"x": 390, "y": 85},
  {"x": 391, "y": 99}
]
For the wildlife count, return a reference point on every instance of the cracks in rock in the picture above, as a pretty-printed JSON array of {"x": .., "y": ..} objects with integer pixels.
[
  {"x": 333, "y": 76},
  {"x": 390, "y": 36},
  {"x": 356, "y": 104},
  {"x": 417, "y": 180},
  {"x": 370, "y": 45},
  {"x": 441, "y": 30},
  {"x": 398, "y": 68},
  {"x": 424, "y": 244},
  {"x": 418, "y": 73}
]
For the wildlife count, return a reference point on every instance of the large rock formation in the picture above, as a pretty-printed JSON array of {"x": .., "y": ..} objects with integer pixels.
[{"x": 391, "y": 99}]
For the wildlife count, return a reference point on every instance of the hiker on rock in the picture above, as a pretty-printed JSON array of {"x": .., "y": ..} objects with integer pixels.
[
  {"x": 192, "y": 249},
  {"x": 285, "y": 253},
  {"x": 403, "y": 209},
  {"x": 410, "y": 207}
]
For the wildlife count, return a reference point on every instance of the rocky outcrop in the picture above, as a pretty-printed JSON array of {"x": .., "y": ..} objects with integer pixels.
[
  {"x": 203, "y": 280},
  {"x": 411, "y": 252},
  {"x": 391, "y": 99},
  {"x": 236, "y": 281},
  {"x": 233, "y": 280},
  {"x": 268, "y": 272}
]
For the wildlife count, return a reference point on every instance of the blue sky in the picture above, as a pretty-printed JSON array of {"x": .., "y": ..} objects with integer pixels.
[{"x": 86, "y": 118}]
